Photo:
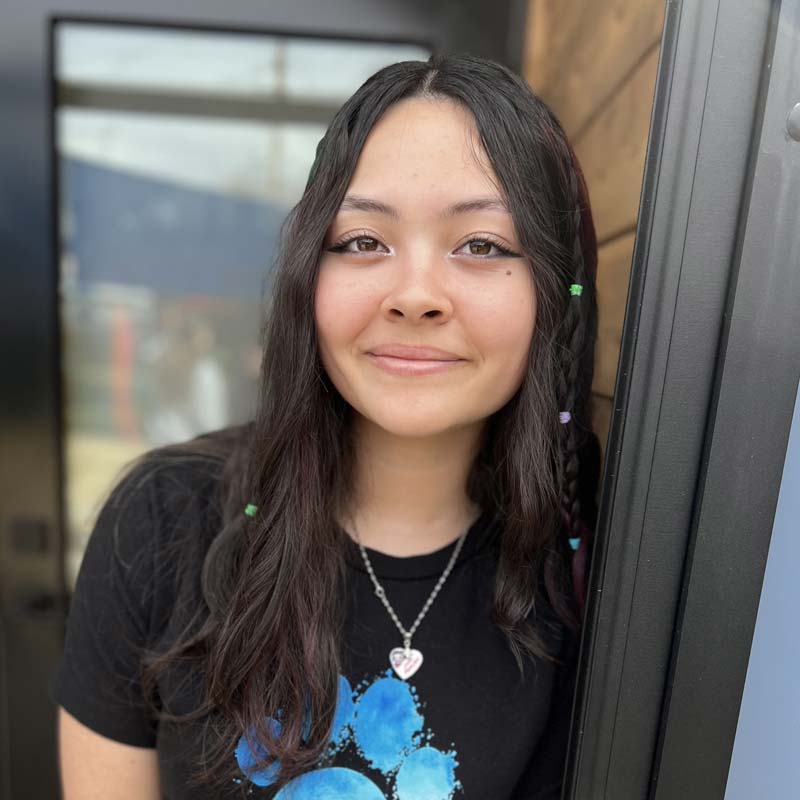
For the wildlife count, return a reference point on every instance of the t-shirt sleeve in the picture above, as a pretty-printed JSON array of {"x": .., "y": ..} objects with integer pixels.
[
  {"x": 97, "y": 678},
  {"x": 544, "y": 775}
]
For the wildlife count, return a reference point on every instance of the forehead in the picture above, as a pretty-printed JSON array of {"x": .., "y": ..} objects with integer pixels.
[{"x": 428, "y": 148}]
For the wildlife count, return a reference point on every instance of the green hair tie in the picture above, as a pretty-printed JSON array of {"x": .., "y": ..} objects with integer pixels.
[
  {"x": 250, "y": 510},
  {"x": 575, "y": 289}
]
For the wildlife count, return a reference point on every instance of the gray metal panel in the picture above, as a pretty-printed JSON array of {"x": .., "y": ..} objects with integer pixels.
[
  {"x": 755, "y": 394},
  {"x": 707, "y": 98}
]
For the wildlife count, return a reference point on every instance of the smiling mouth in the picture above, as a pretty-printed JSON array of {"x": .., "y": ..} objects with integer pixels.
[{"x": 414, "y": 366}]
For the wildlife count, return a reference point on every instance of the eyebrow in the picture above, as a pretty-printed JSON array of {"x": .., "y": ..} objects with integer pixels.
[{"x": 356, "y": 203}]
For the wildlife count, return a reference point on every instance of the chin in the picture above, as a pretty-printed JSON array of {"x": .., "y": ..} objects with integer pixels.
[
  {"x": 407, "y": 424},
  {"x": 416, "y": 430}
]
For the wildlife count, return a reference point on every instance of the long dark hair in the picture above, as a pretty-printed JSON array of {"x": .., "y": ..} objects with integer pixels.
[{"x": 268, "y": 631}]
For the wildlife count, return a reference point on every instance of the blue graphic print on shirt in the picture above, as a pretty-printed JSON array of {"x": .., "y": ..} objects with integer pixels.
[{"x": 385, "y": 724}]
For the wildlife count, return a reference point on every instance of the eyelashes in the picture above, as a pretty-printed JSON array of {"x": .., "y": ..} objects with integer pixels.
[{"x": 343, "y": 244}]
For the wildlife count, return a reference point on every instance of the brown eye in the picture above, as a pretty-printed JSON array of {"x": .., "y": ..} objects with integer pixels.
[
  {"x": 485, "y": 247},
  {"x": 480, "y": 247},
  {"x": 363, "y": 244},
  {"x": 370, "y": 242}
]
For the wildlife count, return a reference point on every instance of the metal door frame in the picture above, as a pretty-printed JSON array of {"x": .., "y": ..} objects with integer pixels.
[{"x": 697, "y": 440}]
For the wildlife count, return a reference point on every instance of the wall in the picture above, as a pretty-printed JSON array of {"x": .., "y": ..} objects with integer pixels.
[
  {"x": 764, "y": 761},
  {"x": 595, "y": 66}
]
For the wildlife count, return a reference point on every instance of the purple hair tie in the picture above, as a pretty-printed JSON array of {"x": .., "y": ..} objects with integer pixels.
[{"x": 564, "y": 417}]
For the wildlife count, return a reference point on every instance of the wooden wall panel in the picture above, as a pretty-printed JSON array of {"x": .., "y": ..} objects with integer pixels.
[
  {"x": 614, "y": 270},
  {"x": 613, "y": 276},
  {"x": 611, "y": 152},
  {"x": 595, "y": 65},
  {"x": 601, "y": 418},
  {"x": 579, "y": 51}
]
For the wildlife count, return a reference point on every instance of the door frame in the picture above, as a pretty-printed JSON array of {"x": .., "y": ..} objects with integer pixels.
[{"x": 696, "y": 445}]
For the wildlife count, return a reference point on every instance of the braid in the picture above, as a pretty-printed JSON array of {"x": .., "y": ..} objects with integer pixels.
[{"x": 575, "y": 374}]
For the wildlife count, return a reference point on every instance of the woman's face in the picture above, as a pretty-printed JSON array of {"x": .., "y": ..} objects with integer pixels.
[{"x": 424, "y": 269}]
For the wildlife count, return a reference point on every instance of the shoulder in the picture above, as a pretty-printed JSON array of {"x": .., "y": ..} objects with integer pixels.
[
  {"x": 160, "y": 516},
  {"x": 173, "y": 482},
  {"x": 144, "y": 560},
  {"x": 157, "y": 494},
  {"x": 139, "y": 582}
]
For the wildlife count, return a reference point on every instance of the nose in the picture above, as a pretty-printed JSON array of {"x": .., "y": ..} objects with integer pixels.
[{"x": 418, "y": 294}]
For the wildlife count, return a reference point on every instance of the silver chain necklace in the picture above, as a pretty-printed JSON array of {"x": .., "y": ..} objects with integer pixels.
[{"x": 404, "y": 660}]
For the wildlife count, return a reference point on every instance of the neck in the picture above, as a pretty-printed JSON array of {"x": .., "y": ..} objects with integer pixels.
[{"x": 410, "y": 494}]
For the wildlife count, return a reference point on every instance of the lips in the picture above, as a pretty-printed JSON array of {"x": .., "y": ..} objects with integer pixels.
[{"x": 414, "y": 353}]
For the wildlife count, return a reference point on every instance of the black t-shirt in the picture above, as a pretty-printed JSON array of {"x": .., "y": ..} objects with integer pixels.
[{"x": 465, "y": 725}]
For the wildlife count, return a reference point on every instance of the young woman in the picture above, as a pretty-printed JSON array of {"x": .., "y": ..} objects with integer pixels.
[{"x": 375, "y": 588}]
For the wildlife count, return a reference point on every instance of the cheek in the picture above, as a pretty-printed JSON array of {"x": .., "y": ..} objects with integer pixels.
[
  {"x": 501, "y": 323},
  {"x": 344, "y": 305},
  {"x": 338, "y": 308}
]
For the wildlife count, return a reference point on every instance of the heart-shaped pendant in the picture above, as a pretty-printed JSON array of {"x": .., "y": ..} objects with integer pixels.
[{"x": 405, "y": 665}]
